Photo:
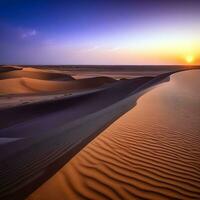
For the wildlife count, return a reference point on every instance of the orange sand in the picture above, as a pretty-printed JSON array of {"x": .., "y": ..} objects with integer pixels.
[{"x": 152, "y": 152}]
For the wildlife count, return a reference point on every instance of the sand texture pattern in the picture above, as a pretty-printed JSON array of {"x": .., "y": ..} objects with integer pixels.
[{"x": 152, "y": 152}]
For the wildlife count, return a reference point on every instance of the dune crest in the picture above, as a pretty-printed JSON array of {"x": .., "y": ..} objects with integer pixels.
[
  {"x": 145, "y": 154},
  {"x": 35, "y": 86},
  {"x": 34, "y": 74},
  {"x": 37, "y": 81}
]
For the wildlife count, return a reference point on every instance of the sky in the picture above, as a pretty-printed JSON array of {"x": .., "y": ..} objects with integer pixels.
[{"x": 101, "y": 32}]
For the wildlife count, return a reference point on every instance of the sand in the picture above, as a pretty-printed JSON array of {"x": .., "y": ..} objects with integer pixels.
[
  {"x": 72, "y": 106},
  {"x": 7, "y": 140},
  {"x": 34, "y": 74},
  {"x": 152, "y": 152},
  {"x": 114, "y": 71},
  {"x": 43, "y": 127},
  {"x": 32, "y": 86},
  {"x": 51, "y": 132},
  {"x": 26, "y": 86},
  {"x": 35, "y": 81},
  {"x": 4, "y": 68}
]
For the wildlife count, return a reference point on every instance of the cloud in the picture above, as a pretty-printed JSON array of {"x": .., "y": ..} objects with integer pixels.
[
  {"x": 29, "y": 33},
  {"x": 103, "y": 48},
  {"x": 94, "y": 48},
  {"x": 114, "y": 49}
]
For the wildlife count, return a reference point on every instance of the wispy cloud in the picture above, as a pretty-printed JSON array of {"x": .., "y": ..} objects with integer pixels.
[
  {"x": 29, "y": 33},
  {"x": 114, "y": 49},
  {"x": 94, "y": 48},
  {"x": 103, "y": 48}
]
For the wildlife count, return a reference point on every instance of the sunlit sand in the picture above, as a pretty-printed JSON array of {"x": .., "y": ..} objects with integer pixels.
[
  {"x": 150, "y": 152},
  {"x": 48, "y": 116}
]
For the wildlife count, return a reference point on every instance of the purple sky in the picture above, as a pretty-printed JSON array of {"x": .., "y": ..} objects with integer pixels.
[{"x": 99, "y": 32}]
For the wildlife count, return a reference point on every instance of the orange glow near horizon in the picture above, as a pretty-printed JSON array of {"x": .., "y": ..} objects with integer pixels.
[
  {"x": 147, "y": 55},
  {"x": 189, "y": 59},
  {"x": 168, "y": 49}
]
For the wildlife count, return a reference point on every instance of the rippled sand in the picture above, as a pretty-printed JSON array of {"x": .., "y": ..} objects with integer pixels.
[{"x": 152, "y": 152}]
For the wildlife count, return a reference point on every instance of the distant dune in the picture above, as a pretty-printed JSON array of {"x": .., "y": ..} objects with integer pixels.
[
  {"x": 30, "y": 86},
  {"x": 31, "y": 81},
  {"x": 115, "y": 71},
  {"x": 9, "y": 68},
  {"x": 34, "y": 74}
]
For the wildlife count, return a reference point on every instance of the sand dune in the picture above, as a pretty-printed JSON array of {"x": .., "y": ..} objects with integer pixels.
[
  {"x": 31, "y": 86},
  {"x": 4, "y": 69},
  {"x": 54, "y": 131},
  {"x": 75, "y": 105},
  {"x": 34, "y": 74},
  {"x": 152, "y": 152}
]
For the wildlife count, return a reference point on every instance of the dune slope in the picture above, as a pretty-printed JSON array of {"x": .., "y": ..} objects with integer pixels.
[
  {"x": 74, "y": 106},
  {"x": 51, "y": 133},
  {"x": 4, "y": 69},
  {"x": 35, "y": 86},
  {"x": 34, "y": 74},
  {"x": 152, "y": 152}
]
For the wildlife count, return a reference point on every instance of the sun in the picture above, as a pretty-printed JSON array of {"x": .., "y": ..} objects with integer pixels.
[{"x": 189, "y": 59}]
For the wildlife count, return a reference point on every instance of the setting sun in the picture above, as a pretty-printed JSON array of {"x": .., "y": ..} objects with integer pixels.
[{"x": 189, "y": 59}]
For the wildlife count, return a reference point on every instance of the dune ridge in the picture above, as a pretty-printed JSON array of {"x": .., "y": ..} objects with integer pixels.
[
  {"x": 35, "y": 86},
  {"x": 27, "y": 86},
  {"x": 97, "y": 99},
  {"x": 4, "y": 68},
  {"x": 54, "y": 131},
  {"x": 45, "y": 146},
  {"x": 135, "y": 158},
  {"x": 32, "y": 73}
]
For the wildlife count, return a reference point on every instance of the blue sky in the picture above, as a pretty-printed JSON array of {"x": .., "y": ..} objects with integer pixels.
[{"x": 99, "y": 32}]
